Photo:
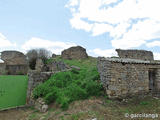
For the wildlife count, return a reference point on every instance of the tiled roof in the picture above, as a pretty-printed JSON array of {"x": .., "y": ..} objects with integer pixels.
[{"x": 134, "y": 61}]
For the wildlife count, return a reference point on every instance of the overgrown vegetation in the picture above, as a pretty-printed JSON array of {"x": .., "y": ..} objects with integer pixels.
[{"x": 66, "y": 87}]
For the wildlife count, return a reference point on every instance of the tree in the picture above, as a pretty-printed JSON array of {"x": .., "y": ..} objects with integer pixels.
[{"x": 34, "y": 54}]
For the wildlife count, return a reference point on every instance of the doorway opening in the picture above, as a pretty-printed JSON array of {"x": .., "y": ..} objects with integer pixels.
[{"x": 152, "y": 76}]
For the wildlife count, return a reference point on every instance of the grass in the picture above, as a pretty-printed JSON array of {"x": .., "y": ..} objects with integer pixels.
[
  {"x": 82, "y": 63},
  {"x": 13, "y": 90}
]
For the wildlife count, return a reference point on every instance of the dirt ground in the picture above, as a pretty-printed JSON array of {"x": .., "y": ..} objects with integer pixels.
[{"x": 100, "y": 108}]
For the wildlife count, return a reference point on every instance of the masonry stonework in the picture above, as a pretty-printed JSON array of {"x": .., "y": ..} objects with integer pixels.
[
  {"x": 35, "y": 78},
  {"x": 2, "y": 68},
  {"x": 15, "y": 63},
  {"x": 76, "y": 52},
  {"x": 135, "y": 54},
  {"x": 123, "y": 77}
]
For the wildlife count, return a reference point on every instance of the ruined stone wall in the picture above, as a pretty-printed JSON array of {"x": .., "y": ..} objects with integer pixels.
[
  {"x": 13, "y": 58},
  {"x": 17, "y": 69},
  {"x": 104, "y": 69},
  {"x": 2, "y": 69},
  {"x": 135, "y": 54},
  {"x": 77, "y": 52},
  {"x": 123, "y": 79},
  {"x": 34, "y": 79}
]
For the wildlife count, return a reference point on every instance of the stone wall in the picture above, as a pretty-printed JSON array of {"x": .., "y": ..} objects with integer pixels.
[
  {"x": 122, "y": 79},
  {"x": 16, "y": 69},
  {"x": 2, "y": 68},
  {"x": 16, "y": 62},
  {"x": 77, "y": 52},
  {"x": 35, "y": 78},
  {"x": 13, "y": 58},
  {"x": 135, "y": 54}
]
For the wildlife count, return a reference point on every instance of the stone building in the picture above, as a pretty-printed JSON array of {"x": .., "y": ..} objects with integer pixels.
[
  {"x": 76, "y": 52},
  {"x": 2, "y": 67},
  {"x": 14, "y": 63},
  {"x": 137, "y": 74}
]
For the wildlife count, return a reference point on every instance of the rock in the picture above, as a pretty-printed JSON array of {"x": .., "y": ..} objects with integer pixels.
[
  {"x": 42, "y": 118},
  {"x": 94, "y": 119},
  {"x": 44, "y": 108},
  {"x": 77, "y": 52},
  {"x": 57, "y": 66},
  {"x": 39, "y": 65},
  {"x": 75, "y": 67},
  {"x": 40, "y": 105}
]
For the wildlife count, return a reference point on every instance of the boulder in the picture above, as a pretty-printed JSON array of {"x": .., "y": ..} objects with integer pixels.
[
  {"x": 40, "y": 105},
  {"x": 77, "y": 52}
]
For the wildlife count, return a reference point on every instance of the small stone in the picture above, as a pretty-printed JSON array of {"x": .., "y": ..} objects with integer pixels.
[
  {"x": 42, "y": 118},
  {"x": 94, "y": 119},
  {"x": 44, "y": 108},
  {"x": 75, "y": 67}
]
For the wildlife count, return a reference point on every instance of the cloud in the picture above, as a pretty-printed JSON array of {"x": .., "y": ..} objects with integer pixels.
[
  {"x": 54, "y": 46},
  {"x": 153, "y": 44},
  {"x": 4, "y": 42},
  {"x": 156, "y": 56},
  {"x": 103, "y": 53},
  {"x": 77, "y": 23},
  {"x": 130, "y": 23}
]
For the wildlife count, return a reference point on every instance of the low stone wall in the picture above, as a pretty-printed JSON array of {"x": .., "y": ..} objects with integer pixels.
[
  {"x": 121, "y": 79},
  {"x": 35, "y": 78},
  {"x": 17, "y": 69}
]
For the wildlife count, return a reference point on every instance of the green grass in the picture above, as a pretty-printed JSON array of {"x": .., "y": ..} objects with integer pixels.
[
  {"x": 13, "y": 90},
  {"x": 82, "y": 63}
]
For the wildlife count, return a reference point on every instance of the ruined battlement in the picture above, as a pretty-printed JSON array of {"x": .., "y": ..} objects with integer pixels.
[{"x": 135, "y": 54}]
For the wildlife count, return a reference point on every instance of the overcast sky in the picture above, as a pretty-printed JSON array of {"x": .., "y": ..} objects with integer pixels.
[{"x": 98, "y": 25}]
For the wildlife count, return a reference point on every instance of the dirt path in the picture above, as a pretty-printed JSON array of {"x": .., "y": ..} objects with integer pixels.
[
  {"x": 101, "y": 108},
  {"x": 15, "y": 114}
]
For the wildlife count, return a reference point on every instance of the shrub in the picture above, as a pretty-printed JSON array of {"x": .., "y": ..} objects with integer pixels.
[
  {"x": 66, "y": 87},
  {"x": 144, "y": 103},
  {"x": 93, "y": 88}
]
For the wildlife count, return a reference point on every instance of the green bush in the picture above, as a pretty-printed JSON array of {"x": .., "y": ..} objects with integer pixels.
[
  {"x": 66, "y": 87},
  {"x": 144, "y": 103}
]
